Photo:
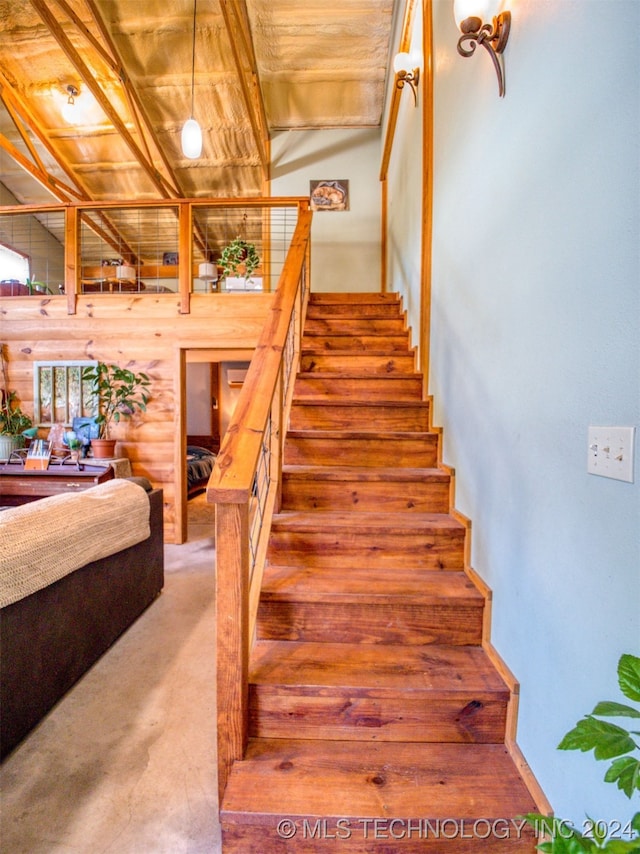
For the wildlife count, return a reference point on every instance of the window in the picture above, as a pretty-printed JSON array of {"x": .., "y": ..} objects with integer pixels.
[
  {"x": 13, "y": 265},
  {"x": 59, "y": 393}
]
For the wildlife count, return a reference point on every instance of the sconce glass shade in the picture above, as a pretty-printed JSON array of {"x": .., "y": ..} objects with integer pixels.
[
  {"x": 191, "y": 139},
  {"x": 125, "y": 271},
  {"x": 207, "y": 272},
  {"x": 463, "y": 9},
  {"x": 69, "y": 112},
  {"x": 403, "y": 62}
]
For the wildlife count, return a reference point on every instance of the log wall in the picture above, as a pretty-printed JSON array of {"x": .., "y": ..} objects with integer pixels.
[{"x": 145, "y": 333}]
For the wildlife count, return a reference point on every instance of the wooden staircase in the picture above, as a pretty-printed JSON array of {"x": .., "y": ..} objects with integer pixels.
[{"x": 379, "y": 715}]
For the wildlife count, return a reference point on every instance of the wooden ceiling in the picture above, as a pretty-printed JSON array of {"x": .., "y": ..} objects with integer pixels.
[{"x": 261, "y": 66}]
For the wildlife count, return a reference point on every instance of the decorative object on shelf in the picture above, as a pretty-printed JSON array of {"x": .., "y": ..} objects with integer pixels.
[
  {"x": 126, "y": 271},
  {"x": 13, "y": 421},
  {"x": 407, "y": 70},
  {"x": 239, "y": 260},
  {"x": 191, "y": 132},
  {"x": 469, "y": 16},
  {"x": 170, "y": 259},
  {"x": 117, "y": 393}
]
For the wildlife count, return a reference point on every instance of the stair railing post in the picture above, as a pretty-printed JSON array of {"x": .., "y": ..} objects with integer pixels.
[{"x": 232, "y": 634}]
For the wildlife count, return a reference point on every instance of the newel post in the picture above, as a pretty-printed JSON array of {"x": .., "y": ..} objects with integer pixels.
[{"x": 232, "y": 635}]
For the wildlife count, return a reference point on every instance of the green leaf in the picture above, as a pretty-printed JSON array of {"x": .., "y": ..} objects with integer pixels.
[
  {"x": 608, "y": 709},
  {"x": 622, "y": 846},
  {"x": 626, "y": 773},
  {"x": 605, "y": 739},
  {"x": 635, "y": 822},
  {"x": 629, "y": 676}
]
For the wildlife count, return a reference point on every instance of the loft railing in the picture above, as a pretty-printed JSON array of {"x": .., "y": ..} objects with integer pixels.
[
  {"x": 144, "y": 247},
  {"x": 245, "y": 486}
]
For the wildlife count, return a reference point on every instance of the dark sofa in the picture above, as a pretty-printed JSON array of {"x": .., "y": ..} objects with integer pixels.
[{"x": 50, "y": 638}]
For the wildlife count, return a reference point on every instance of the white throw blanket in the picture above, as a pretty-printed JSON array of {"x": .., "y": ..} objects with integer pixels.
[{"x": 44, "y": 540}]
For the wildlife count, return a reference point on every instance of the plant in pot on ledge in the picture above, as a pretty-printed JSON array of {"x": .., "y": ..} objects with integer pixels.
[
  {"x": 117, "y": 393},
  {"x": 239, "y": 261},
  {"x": 13, "y": 423}
]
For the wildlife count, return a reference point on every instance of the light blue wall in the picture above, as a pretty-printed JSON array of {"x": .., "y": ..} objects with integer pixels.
[
  {"x": 346, "y": 244},
  {"x": 535, "y": 336}
]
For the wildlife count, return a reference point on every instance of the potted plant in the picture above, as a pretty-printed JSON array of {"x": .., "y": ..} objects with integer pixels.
[
  {"x": 239, "y": 261},
  {"x": 117, "y": 393},
  {"x": 13, "y": 423}
]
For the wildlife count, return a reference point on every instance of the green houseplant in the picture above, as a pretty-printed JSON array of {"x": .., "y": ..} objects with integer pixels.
[
  {"x": 13, "y": 421},
  {"x": 116, "y": 393},
  {"x": 239, "y": 258},
  {"x": 608, "y": 741}
]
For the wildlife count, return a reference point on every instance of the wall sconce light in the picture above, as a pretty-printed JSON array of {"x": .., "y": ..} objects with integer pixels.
[
  {"x": 407, "y": 71},
  {"x": 69, "y": 111},
  {"x": 191, "y": 133},
  {"x": 493, "y": 37}
]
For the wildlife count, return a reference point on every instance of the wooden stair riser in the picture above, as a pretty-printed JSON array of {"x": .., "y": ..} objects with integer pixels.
[
  {"x": 437, "y": 551},
  {"x": 373, "y": 364},
  {"x": 354, "y": 326},
  {"x": 422, "y": 496},
  {"x": 376, "y": 692},
  {"x": 305, "y": 448},
  {"x": 397, "y": 417},
  {"x": 343, "y": 343},
  {"x": 290, "y": 620},
  {"x": 280, "y": 712},
  {"x": 365, "y": 310},
  {"x": 395, "y": 387}
]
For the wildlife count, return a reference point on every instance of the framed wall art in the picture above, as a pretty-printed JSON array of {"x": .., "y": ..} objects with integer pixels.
[{"x": 329, "y": 195}]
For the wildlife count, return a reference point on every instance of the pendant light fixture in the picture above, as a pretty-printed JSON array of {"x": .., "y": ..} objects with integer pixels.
[{"x": 191, "y": 133}]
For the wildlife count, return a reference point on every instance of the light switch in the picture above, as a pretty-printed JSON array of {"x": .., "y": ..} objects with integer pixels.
[{"x": 610, "y": 452}]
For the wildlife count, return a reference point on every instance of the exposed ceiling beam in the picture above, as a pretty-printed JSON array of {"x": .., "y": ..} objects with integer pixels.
[
  {"x": 15, "y": 106},
  {"x": 41, "y": 176},
  {"x": 78, "y": 63},
  {"x": 238, "y": 30},
  {"x": 138, "y": 111}
]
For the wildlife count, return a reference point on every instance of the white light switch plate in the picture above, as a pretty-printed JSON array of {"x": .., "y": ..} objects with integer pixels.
[{"x": 610, "y": 452}]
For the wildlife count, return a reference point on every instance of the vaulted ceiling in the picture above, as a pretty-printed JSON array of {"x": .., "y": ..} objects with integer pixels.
[{"x": 261, "y": 66}]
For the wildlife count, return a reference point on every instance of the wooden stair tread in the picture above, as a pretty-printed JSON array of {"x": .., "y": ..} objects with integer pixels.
[
  {"x": 355, "y": 297},
  {"x": 334, "y": 376},
  {"x": 373, "y": 779},
  {"x": 339, "y": 584},
  {"x": 375, "y": 669},
  {"x": 321, "y": 520},
  {"x": 355, "y": 354},
  {"x": 371, "y": 474}
]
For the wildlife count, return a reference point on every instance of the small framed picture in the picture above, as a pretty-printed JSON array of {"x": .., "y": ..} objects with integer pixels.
[
  {"x": 329, "y": 195},
  {"x": 169, "y": 259}
]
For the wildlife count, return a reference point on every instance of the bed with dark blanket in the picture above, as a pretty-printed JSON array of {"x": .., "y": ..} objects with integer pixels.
[{"x": 199, "y": 467}]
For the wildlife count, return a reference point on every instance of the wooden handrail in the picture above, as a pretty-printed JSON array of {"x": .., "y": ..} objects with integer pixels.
[{"x": 256, "y": 431}]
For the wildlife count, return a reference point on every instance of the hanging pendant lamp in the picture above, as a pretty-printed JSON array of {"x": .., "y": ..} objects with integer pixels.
[{"x": 191, "y": 132}]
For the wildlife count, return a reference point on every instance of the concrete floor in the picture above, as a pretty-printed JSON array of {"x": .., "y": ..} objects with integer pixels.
[{"x": 125, "y": 763}]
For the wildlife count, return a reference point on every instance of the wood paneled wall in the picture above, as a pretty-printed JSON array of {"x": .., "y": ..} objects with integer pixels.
[{"x": 145, "y": 333}]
